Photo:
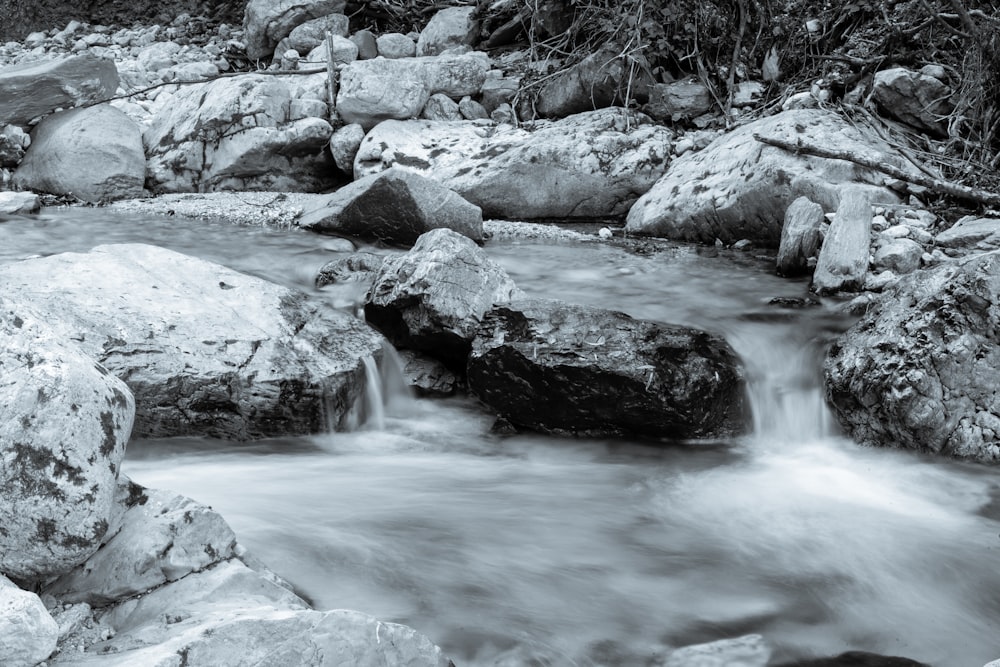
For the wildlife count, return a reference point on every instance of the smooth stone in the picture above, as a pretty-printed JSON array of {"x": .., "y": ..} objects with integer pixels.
[
  {"x": 800, "y": 237},
  {"x": 35, "y": 89},
  {"x": 19, "y": 203},
  {"x": 449, "y": 27},
  {"x": 28, "y": 634},
  {"x": 843, "y": 259}
]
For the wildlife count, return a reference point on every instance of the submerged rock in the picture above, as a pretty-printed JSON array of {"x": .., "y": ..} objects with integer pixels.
[
  {"x": 561, "y": 368},
  {"x": 205, "y": 349},
  {"x": 918, "y": 371}
]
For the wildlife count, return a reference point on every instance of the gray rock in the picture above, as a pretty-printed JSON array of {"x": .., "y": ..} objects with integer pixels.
[
  {"x": 680, "y": 100},
  {"x": 64, "y": 422},
  {"x": 740, "y": 188},
  {"x": 441, "y": 107},
  {"x": 13, "y": 143},
  {"x": 560, "y": 368},
  {"x": 428, "y": 376},
  {"x": 357, "y": 267},
  {"x": 36, "y": 89},
  {"x": 344, "y": 145},
  {"x": 266, "y": 22},
  {"x": 28, "y": 634},
  {"x": 499, "y": 91},
  {"x": 94, "y": 154},
  {"x": 204, "y": 349},
  {"x": 916, "y": 99},
  {"x": 395, "y": 45},
  {"x": 901, "y": 256},
  {"x": 972, "y": 233},
  {"x": 918, "y": 371},
  {"x": 598, "y": 81},
  {"x": 589, "y": 165},
  {"x": 19, "y": 203},
  {"x": 450, "y": 27},
  {"x": 307, "y": 36},
  {"x": 433, "y": 297},
  {"x": 393, "y": 206},
  {"x": 367, "y": 44},
  {"x": 800, "y": 236},
  {"x": 471, "y": 109},
  {"x": 746, "y": 651},
  {"x": 843, "y": 260},
  {"x": 342, "y": 50}
]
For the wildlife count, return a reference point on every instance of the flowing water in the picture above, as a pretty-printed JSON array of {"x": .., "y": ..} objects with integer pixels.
[{"x": 531, "y": 550}]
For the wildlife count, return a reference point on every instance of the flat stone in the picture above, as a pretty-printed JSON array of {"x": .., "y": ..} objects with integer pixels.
[{"x": 971, "y": 232}]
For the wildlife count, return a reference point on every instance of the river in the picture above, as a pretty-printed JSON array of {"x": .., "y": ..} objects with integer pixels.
[{"x": 531, "y": 550}]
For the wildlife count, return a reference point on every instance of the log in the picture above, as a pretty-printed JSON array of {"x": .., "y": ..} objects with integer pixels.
[{"x": 985, "y": 197}]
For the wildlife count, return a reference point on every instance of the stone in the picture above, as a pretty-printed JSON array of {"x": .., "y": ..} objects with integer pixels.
[
  {"x": 592, "y": 165},
  {"x": 433, "y": 297},
  {"x": 843, "y": 260},
  {"x": 901, "y": 256},
  {"x": 919, "y": 100},
  {"x": 395, "y": 45},
  {"x": 746, "y": 651},
  {"x": 393, "y": 206},
  {"x": 441, "y": 107},
  {"x": 560, "y": 368},
  {"x": 197, "y": 71},
  {"x": 237, "y": 133},
  {"x": 357, "y": 267},
  {"x": 19, "y": 203},
  {"x": 94, "y": 153},
  {"x": 343, "y": 51},
  {"x": 367, "y": 44},
  {"x": 680, "y": 100},
  {"x": 499, "y": 91},
  {"x": 449, "y": 27},
  {"x": 598, "y": 81},
  {"x": 800, "y": 237},
  {"x": 266, "y": 22},
  {"x": 30, "y": 90},
  {"x": 803, "y": 100},
  {"x": 64, "y": 422},
  {"x": 344, "y": 145},
  {"x": 971, "y": 232},
  {"x": 471, "y": 109},
  {"x": 739, "y": 188},
  {"x": 204, "y": 349},
  {"x": 918, "y": 370},
  {"x": 13, "y": 143},
  {"x": 158, "y": 56},
  {"x": 747, "y": 93},
  {"x": 28, "y": 634},
  {"x": 428, "y": 376},
  {"x": 308, "y": 35}
]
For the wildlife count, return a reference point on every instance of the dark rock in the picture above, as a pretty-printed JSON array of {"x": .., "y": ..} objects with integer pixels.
[
  {"x": 856, "y": 659},
  {"x": 916, "y": 99},
  {"x": 428, "y": 376},
  {"x": 367, "y": 44},
  {"x": 358, "y": 267},
  {"x": 36, "y": 89},
  {"x": 598, "y": 81},
  {"x": 561, "y": 368}
]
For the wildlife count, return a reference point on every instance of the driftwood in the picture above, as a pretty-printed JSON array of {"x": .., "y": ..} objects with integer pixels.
[{"x": 990, "y": 199}]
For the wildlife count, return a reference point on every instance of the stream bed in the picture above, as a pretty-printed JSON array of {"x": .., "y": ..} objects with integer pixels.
[{"x": 532, "y": 550}]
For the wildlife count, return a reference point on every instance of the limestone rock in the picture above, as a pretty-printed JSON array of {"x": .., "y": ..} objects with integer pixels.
[
  {"x": 971, "y": 233},
  {"x": 393, "y": 206},
  {"x": 449, "y": 27},
  {"x": 441, "y": 107},
  {"x": 561, "y": 368},
  {"x": 342, "y": 50},
  {"x": 18, "y": 203},
  {"x": 471, "y": 109},
  {"x": 36, "y": 89},
  {"x": 900, "y": 256},
  {"x": 916, "y": 99},
  {"x": 680, "y": 100},
  {"x": 395, "y": 45},
  {"x": 800, "y": 236},
  {"x": 237, "y": 133},
  {"x": 28, "y": 633},
  {"x": 598, "y": 81},
  {"x": 843, "y": 259},
  {"x": 593, "y": 164},
  {"x": 308, "y": 35},
  {"x": 738, "y": 188},
  {"x": 64, "y": 422},
  {"x": 433, "y": 297},
  {"x": 267, "y": 22},
  {"x": 204, "y": 349},
  {"x": 13, "y": 143},
  {"x": 357, "y": 267},
  {"x": 918, "y": 371},
  {"x": 344, "y": 145},
  {"x": 94, "y": 154}
]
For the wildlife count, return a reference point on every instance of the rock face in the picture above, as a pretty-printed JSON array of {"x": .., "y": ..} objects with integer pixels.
[
  {"x": 394, "y": 206},
  {"x": 916, "y": 99},
  {"x": 36, "y": 89},
  {"x": 450, "y": 27},
  {"x": 843, "y": 259},
  {"x": 432, "y": 298},
  {"x": 64, "y": 422},
  {"x": 238, "y": 133},
  {"x": 561, "y": 368},
  {"x": 28, "y": 634},
  {"x": 94, "y": 154},
  {"x": 918, "y": 371},
  {"x": 738, "y": 188},
  {"x": 590, "y": 165},
  {"x": 267, "y": 22},
  {"x": 800, "y": 237},
  {"x": 204, "y": 349}
]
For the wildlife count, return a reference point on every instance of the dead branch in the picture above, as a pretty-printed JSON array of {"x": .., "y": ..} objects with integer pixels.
[{"x": 991, "y": 199}]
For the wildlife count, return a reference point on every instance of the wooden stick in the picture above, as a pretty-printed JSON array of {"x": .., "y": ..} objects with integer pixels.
[
  {"x": 991, "y": 199},
  {"x": 331, "y": 74}
]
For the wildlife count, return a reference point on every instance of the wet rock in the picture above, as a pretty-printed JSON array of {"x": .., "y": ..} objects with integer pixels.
[
  {"x": 395, "y": 45},
  {"x": 19, "y": 203},
  {"x": 593, "y": 164},
  {"x": 918, "y": 371},
  {"x": 204, "y": 349},
  {"x": 680, "y": 100},
  {"x": 35, "y": 89},
  {"x": 94, "y": 154},
  {"x": 561, "y": 368},
  {"x": 237, "y": 133},
  {"x": 914, "y": 98},
  {"x": 28, "y": 634},
  {"x": 265, "y": 22},
  {"x": 357, "y": 267},
  {"x": 900, "y": 256},
  {"x": 450, "y": 27},
  {"x": 433, "y": 297},
  {"x": 64, "y": 422},
  {"x": 393, "y": 206},
  {"x": 857, "y": 659},
  {"x": 598, "y": 81},
  {"x": 344, "y": 145},
  {"x": 800, "y": 237},
  {"x": 746, "y": 651},
  {"x": 428, "y": 376},
  {"x": 739, "y": 188},
  {"x": 970, "y": 233},
  {"x": 843, "y": 259}
]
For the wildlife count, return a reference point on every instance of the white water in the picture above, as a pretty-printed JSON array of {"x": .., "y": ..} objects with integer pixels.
[{"x": 573, "y": 552}]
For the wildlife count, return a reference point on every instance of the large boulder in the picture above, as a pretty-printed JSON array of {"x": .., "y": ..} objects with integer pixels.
[
  {"x": 593, "y": 164},
  {"x": 204, "y": 349},
  {"x": 918, "y": 371},
  {"x": 433, "y": 297},
  {"x": 94, "y": 153},
  {"x": 448, "y": 28},
  {"x": 64, "y": 422},
  {"x": 917, "y": 99},
  {"x": 28, "y": 634},
  {"x": 267, "y": 22},
  {"x": 36, "y": 89},
  {"x": 238, "y": 133},
  {"x": 739, "y": 188},
  {"x": 394, "y": 206},
  {"x": 561, "y": 368}
]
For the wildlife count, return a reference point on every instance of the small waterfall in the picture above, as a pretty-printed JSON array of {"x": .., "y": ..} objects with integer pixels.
[
  {"x": 373, "y": 398},
  {"x": 386, "y": 392}
]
